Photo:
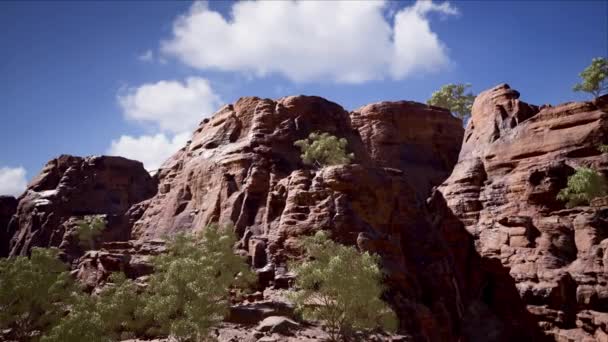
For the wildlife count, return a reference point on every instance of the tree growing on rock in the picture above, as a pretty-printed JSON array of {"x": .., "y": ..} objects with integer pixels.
[
  {"x": 324, "y": 149},
  {"x": 583, "y": 186},
  {"x": 454, "y": 98},
  {"x": 88, "y": 230},
  {"x": 341, "y": 287},
  {"x": 189, "y": 292},
  {"x": 34, "y": 293},
  {"x": 111, "y": 315},
  {"x": 594, "y": 78}
]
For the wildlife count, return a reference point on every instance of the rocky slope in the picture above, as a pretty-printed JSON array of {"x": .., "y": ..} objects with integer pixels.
[
  {"x": 485, "y": 258},
  {"x": 514, "y": 160}
]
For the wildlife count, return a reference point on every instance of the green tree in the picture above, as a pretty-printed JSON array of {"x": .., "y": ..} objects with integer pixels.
[
  {"x": 323, "y": 149},
  {"x": 603, "y": 148},
  {"x": 453, "y": 98},
  {"x": 594, "y": 78},
  {"x": 109, "y": 316},
  {"x": 188, "y": 293},
  {"x": 34, "y": 292},
  {"x": 341, "y": 287},
  {"x": 583, "y": 186},
  {"x": 89, "y": 229}
]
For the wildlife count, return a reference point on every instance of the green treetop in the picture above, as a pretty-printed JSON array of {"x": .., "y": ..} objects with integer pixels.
[
  {"x": 341, "y": 287},
  {"x": 594, "y": 78},
  {"x": 324, "y": 149},
  {"x": 583, "y": 186},
  {"x": 453, "y": 98}
]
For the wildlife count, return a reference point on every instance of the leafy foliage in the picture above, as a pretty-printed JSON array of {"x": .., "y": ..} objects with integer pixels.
[
  {"x": 323, "y": 149},
  {"x": 33, "y": 293},
  {"x": 88, "y": 229},
  {"x": 188, "y": 293},
  {"x": 109, "y": 316},
  {"x": 594, "y": 77},
  {"x": 603, "y": 148},
  {"x": 340, "y": 287},
  {"x": 453, "y": 97},
  {"x": 583, "y": 186}
]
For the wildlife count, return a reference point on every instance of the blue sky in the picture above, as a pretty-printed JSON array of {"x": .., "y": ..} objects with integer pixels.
[{"x": 131, "y": 78}]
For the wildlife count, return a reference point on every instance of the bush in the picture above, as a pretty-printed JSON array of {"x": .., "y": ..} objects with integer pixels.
[
  {"x": 583, "y": 186},
  {"x": 340, "y": 287},
  {"x": 594, "y": 78},
  {"x": 453, "y": 98},
  {"x": 603, "y": 148},
  {"x": 109, "y": 316},
  {"x": 34, "y": 293},
  {"x": 323, "y": 149},
  {"x": 89, "y": 229},
  {"x": 188, "y": 293}
]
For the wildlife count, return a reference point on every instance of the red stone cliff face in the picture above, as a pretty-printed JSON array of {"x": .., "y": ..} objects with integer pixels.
[{"x": 514, "y": 160}]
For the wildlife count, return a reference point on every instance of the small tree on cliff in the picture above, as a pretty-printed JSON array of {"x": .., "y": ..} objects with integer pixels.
[
  {"x": 324, "y": 149},
  {"x": 453, "y": 98},
  {"x": 34, "y": 292},
  {"x": 583, "y": 186},
  {"x": 188, "y": 293},
  {"x": 88, "y": 230},
  {"x": 341, "y": 287},
  {"x": 594, "y": 78}
]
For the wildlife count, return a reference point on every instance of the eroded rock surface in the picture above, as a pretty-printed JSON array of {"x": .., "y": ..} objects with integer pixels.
[
  {"x": 514, "y": 160},
  {"x": 69, "y": 188}
]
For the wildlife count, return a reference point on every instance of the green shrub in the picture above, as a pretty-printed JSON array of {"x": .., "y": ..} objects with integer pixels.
[
  {"x": 583, "y": 186},
  {"x": 108, "y": 316},
  {"x": 89, "y": 229},
  {"x": 603, "y": 148},
  {"x": 594, "y": 78},
  {"x": 34, "y": 293},
  {"x": 188, "y": 293},
  {"x": 341, "y": 287},
  {"x": 453, "y": 98},
  {"x": 324, "y": 149}
]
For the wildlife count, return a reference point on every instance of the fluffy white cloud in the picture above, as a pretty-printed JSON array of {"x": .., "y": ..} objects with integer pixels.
[
  {"x": 342, "y": 41},
  {"x": 170, "y": 105},
  {"x": 152, "y": 150},
  {"x": 12, "y": 181}
]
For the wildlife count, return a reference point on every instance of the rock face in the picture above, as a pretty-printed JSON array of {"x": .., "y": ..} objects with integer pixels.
[
  {"x": 69, "y": 188},
  {"x": 242, "y": 168},
  {"x": 8, "y": 207},
  {"x": 514, "y": 160}
]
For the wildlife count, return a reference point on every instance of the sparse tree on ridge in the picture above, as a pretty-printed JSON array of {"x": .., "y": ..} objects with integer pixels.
[
  {"x": 454, "y": 98},
  {"x": 324, "y": 149},
  {"x": 594, "y": 78}
]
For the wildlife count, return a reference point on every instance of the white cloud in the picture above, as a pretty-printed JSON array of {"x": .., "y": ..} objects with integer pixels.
[
  {"x": 342, "y": 41},
  {"x": 12, "y": 181},
  {"x": 170, "y": 105},
  {"x": 152, "y": 150},
  {"x": 147, "y": 56}
]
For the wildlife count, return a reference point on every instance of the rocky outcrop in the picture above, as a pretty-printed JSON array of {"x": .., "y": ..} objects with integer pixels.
[
  {"x": 514, "y": 160},
  {"x": 242, "y": 168},
  {"x": 8, "y": 207},
  {"x": 69, "y": 188}
]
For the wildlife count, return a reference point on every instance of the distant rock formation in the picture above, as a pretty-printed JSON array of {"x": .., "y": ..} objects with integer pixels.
[
  {"x": 69, "y": 188},
  {"x": 8, "y": 207},
  {"x": 484, "y": 254},
  {"x": 514, "y": 160}
]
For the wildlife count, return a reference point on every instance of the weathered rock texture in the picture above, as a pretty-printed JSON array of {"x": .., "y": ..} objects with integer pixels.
[
  {"x": 8, "y": 207},
  {"x": 514, "y": 160},
  {"x": 241, "y": 167},
  {"x": 69, "y": 188}
]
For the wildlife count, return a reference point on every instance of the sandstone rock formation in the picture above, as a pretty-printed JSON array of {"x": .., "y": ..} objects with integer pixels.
[
  {"x": 8, "y": 207},
  {"x": 514, "y": 160},
  {"x": 69, "y": 188}
]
